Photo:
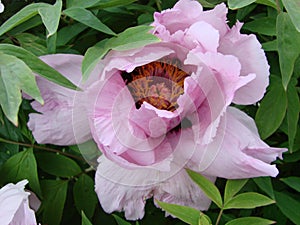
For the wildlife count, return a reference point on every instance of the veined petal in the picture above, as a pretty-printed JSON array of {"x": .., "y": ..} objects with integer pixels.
[
  {"x": 240, "y": 151},
  {"x": 204, "y": 36},
  {"x": 253, "y": 61},
  {"x": 14, "y": 206},
  {"x": 181, "y": 190},
  {"x": 56, "y": 123},
  {"x": 127, "y": 190}
]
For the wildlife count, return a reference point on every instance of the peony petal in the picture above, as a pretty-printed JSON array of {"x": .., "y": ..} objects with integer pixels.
[
  {"x": 121, "y": 189},
  {"x": 226, "y": 69},
  {"x": 240, "y": 151},
  {"x": 131, "y": 59},
  {"x": 181, "y": 190},
  {"x": 180, "y": 17},
  {"x": 61, "y": 118},
  {"x": 68, "y": 65},
  {"x": 253, "y": 61},
  {"x": 170, "y": 25},
  {"x": 203, "y": 35},
  {"x": 14, "y": 206}
]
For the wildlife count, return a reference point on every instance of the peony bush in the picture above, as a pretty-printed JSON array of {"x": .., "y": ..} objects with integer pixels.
[{"x": 161, "y": 111}]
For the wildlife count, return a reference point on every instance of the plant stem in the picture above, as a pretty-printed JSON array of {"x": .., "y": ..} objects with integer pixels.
[
  {"x": 219, "y": 217},
  {"x": 278, "y": 6},
  {"x": 158, "y": 4},
  {"x": 41, "y": 147}
]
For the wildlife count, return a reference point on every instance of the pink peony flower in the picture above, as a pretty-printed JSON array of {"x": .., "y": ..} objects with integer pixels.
[
  {"x": 14, "y": 205},
  {"x": 156, "y": 110},
  {"x": 207, "y": 31}
]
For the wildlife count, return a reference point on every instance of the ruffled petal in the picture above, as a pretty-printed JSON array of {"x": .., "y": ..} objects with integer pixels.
[
  {"x": 204, "y": 36},
  {"x": 184, "y": 14},
  {"x": 63, "y": 112},
  {"x": 226, "y": 69},
  {"x": 253, "y": 61},
  {"x": 181, "y": 190},
  {"x": 14, "y": 206},
  {"x": 127, "y": 190},
  {"x": 237, "y": 151}
]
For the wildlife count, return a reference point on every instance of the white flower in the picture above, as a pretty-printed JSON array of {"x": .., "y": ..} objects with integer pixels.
[
  {"x": 14, "y": 205},
  {"x": 1, "y": 7}
]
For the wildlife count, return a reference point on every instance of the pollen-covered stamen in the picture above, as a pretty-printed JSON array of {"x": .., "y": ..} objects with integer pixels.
[{"x": 157, "y": 83}]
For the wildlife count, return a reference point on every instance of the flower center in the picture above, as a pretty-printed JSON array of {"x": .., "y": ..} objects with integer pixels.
[{"x": 158, "y": 83}]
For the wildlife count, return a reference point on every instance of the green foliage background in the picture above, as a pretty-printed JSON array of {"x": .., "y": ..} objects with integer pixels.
[{"x": 60, "y": 176}]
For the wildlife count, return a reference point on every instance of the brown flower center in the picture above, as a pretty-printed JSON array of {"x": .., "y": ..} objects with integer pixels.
[{"x": 158, "y": 83}]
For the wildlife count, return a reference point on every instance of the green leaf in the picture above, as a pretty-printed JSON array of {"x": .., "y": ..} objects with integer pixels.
[
  {"x": 67, "y": 33},
  {"x": 270, "y": 46},
  {"x": 51, "y": 44},
  {"x": 204, "y": 219},
  {"x": 288, "y": 46},
  {"x": 32, "y": 43},
  {"x": 55, "y": 193},
  {"x": 100, "y": 4},
  {"x": 250, "y": 221},
  {"x": 81, "y": 4},
  {"x": 293, "y": 9},
  {"x": 206, "y": 4},
  {"x": 265, "y": 184},
  {"x": 207, "y": 187},
  {"x": 264, "y": 25},
  {"x": 120, "y": 221},
  {"x": 15, "y": 76},
  {"x": 293, "y": 182},
  {"x": 50, "y": 16},
  {"x": 21, "y": 166},
  {"x": 86, "y": 17},
  {"x": 272, "y": 109},
  {"x": 236, "y": 4},
  {"x": 270, "y": 3},
  {"x": 85, "y": 220},
  {"x": 84, "y": 195},
  {"x": 233, "y": 187},
  {"x": 57, "y": 165},
  {"x": 248, "y": 200},
  {"x": 293, "y": 110},
  {"x": 288, "y": 206},
  {"x": 32, "y": 22},
  {"x": 92, "y": 57},
  {"x": 111, "y": 3},
  {"x": 134, "y": 37},
  {"x": 184, "y": 213},
  {"x": 23, "y": 15},
  {"x": 37, "y": 65}
]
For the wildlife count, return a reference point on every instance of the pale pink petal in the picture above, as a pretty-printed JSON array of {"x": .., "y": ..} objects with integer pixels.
[
  {"x": 131, "y": 59},
  {"x": 226, "y": 69},
  {"x": 204, "y": 36},
  {"x": 14, "y": 206},
  {"x": 128, "y": 189},
  {"x": 253, "y": 61},
  {"x": 120, "y": 189},
  {"x": 171, "y": 24},
  {"x": 237, "y": 151},
  {"x": 60, "y": 115},
  {"x": 110, "y": 109},
  {"x": 184, "y": 13},
  {"x": 181, "y": 190},
  {"x": 68, "y": 65}
]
